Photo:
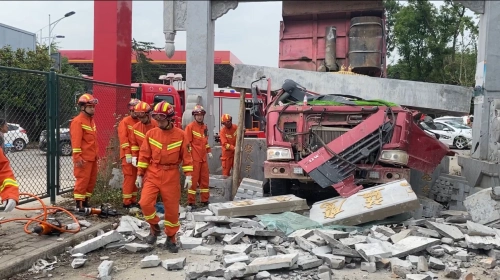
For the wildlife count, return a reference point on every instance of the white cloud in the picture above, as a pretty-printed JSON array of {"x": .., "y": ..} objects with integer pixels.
[{"x": 251, "y": 32}]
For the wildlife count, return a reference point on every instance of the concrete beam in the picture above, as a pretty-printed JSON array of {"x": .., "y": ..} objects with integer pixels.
[{"x": 452, "y": 100}]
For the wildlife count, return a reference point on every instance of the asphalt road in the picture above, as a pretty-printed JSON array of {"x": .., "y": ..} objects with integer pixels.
[{"x": 31, "y": 173}]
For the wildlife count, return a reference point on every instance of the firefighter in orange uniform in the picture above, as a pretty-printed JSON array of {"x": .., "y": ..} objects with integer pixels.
[
  {"x": 197, "y": 135},
  {"x": 228, "y": 142},
  {"x": 9, "y": 190},
  {"x": 162, "y": 151},
  {"x": 125, "y": 133},
  {"x": 143, "y": 113},
  {"x": 85, "y": 149}
]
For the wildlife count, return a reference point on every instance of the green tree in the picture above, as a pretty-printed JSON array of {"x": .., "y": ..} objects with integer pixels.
[
  {"x": 434, "y": 45},
  {"x": 23, "y": 95},
  {"x": 143, "y": 69}
]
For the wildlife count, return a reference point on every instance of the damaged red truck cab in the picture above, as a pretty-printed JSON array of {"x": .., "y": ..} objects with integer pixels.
[{"x": 344, "y": 146}]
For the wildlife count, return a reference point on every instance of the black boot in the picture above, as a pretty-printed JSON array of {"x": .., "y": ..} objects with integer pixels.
[
  {"x": 153, "y": 234},
  {"x": 205, "y": 204},
  {"x": 79, "y": 204},
  {"x": 171, "y": 246},
  {"x": 86, "y": 203}
]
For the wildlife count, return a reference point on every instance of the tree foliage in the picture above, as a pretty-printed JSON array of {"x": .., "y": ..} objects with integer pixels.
[
  {"x": 433, "y": 45},
  {"x": 143, "y": 69},
  {"x": 23, "y": 94}
]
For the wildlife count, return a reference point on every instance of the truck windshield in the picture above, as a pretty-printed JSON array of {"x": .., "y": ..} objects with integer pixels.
[{"x": 167, "y": 98}]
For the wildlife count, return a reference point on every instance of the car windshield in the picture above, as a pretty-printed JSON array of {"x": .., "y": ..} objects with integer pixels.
[{"x": 457, "y": 125}]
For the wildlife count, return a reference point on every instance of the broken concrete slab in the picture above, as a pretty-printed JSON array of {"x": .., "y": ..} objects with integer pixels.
[
  {"x": 372, "y": 251},
  {"x": 234, "y": 258},
  {"x": 475, "y": 229},
  {"x": 400, "y": 235},
  {"x": 322, "y": 250},
  {"x": 482, "y": 208},
  {"x": 202, "y": 250},
  {"x": 368, "y": 267},
  {"x": 97, "y": 242},
  {"x": 305, "y": 233},
  {"x": 239, "y": 270},
  {"x": 401, "y": 267},
  {"x": 235, "y": 249},
  {"x": 268, "y": 205},
  {"x": 136, "y": 247},
  {"x": 422, "y": 265},
  {"x": 318, "y": 241},
  {"x": 375, "y": 203},
  {"x": 150, "y": 261},
  {"x": 308, "y": 262},
  {"x": 174, "y": 264},
  {"x": 332, "y": 234},
  {"x": 189, "y": 242},
  {"x": 218, "y": 220},
  {"x": 217, "y": 231},
  {"x": 440, "y": 97},
  {"x": 412, "y": 245},
  {"x": 305, "y": 244},
  {"x": 198, "y": 270},
  {"x": 128, "y": 225},
  {"x": 446, "y": 230},
  {"x": 351, "y": 241},
  {"x": 249, "y": 189},
  {"x": 452, "y": 272},
  {"x": 436, "y": 263},
  {"x": 424, "y": 232},
  {"x": 232, "y": 239},
  {"x": 488, "y": 263},
  {"x": 275, "y": 262},
  {"x": 482, "y": 242}
]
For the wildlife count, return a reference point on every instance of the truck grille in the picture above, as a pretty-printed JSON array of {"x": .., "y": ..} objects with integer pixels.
[{"x": 328, "y": 134}]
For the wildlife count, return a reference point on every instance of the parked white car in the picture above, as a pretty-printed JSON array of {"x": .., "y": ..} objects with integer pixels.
[
  {"x": 452, "y": 133},
  {"x": 16, "y": 137},
  {"x": 455, "y": 119}
]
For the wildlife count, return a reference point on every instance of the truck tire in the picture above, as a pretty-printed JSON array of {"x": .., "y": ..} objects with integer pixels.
[{"x": 279, "y": 187}]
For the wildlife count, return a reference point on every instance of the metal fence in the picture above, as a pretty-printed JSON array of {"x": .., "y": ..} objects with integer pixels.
[{"x": 38, "y": 107}]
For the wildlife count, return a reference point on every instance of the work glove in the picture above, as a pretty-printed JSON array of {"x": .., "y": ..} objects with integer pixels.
[
  {"x": 210, "y": 155},
  {"x": 134, "y": 161},
  {"x": 11, "y": 204},
  {"x": 188, "y": 182},
  {"x": 128, "y": 159},
  {"x": 138, "y": 182}
]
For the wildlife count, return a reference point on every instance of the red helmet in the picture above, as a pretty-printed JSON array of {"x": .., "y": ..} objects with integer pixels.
[
  {"x": 87, "y": 99},
  {"x": 142, "y": 107},
  {"x": 198, "y": 110},
  {"x": 226, "y": 118},
  {"x": 163, "y": 110},
  {"x": 132, "y": 103}
]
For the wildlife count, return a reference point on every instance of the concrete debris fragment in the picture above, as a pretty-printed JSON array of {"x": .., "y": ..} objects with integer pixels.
[
  {"x": 401, "y": 267},
  {"x": 235, "y": 249},
  {"x": 201, "y": 250},
  {"x": 77, "y": 263},
  {"x": 418, "y": 277},
  {"x": 474, "y": 229},
  {"x": 452, "y": 272},
  {"x": 436, "y": 263},
  {"x": 105, "y": 268},
  {"x": 174, "y": 264},
  {"x": 238, "y": 270},
  {"x": 268, "y": 205},
  {"x": 446, "y": 230},
  {"x": 150, "y": 261},
  {"x": 97, "y": 242},
  {"x": 275, "y": 262},
  {"x": 198, "y": 270},
  {"x": 137, "y": 247},
  {"x": 189, "y": 242},
  {"x": 249, "y": 189},
  {"x": 368, "y": 267},
  {"x": 482, "y": 208},
  {"x": 234, "y": 258},
  {"x": 308, "y": 262}
]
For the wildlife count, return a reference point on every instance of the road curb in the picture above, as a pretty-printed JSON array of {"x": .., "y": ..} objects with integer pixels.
[{"x": 20, "y": 264}]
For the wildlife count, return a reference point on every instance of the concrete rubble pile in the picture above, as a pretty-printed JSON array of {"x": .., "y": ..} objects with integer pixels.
[{"x": 238, "y": 245}]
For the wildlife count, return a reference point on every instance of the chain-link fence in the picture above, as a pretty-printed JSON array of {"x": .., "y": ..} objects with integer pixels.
[
  {"x": 23, "y": 106},
  {"x": 38, "y": 108}
]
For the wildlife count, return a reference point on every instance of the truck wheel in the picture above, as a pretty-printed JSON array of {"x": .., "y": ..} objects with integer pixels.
[{"x": 279, "y": 187}]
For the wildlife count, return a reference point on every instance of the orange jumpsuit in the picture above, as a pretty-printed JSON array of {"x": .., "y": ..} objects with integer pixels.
[
  {"x": 84, "y": 143},
  {"x": 125, "y": 134},
  {"x": 228, "y": 142},
  {"x": 9, "y": 188},
  {"x": 140, "y": 130},
  {"x": 198, "y": 139},
  {"x": 161, "y": 153}
]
